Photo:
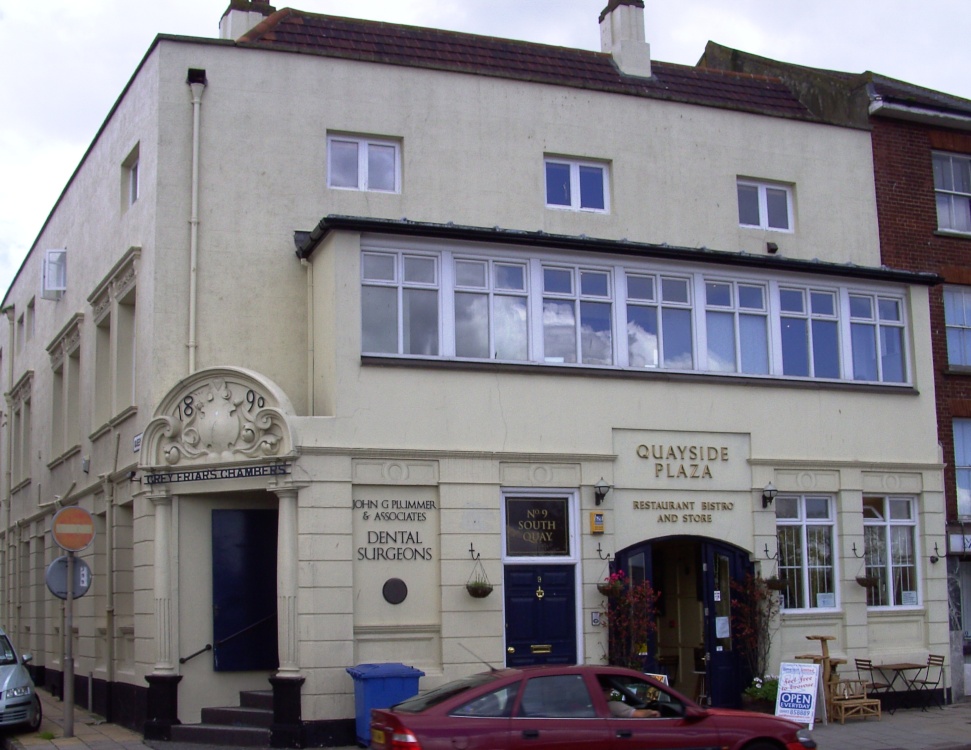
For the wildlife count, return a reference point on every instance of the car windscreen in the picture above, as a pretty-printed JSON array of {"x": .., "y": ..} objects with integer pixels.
[
  {"x": 7, "y": 654},
  {"x": 443, "y": 693}
]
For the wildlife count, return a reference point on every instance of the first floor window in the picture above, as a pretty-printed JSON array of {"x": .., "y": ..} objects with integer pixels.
[
  {"x": 764, "y": 205},
  {"x": 889, "y": 551},
  {"x": 952, "y": 189},
  {"x": 578, "y": 185},
  {"x": 957, "y": 322},
  {"x": 399, "y": 304},
  {"x": 358, "y": 163},
  {"x": 737, "y": 327},
  {"x": 491, "y": 314},
  {"x": 877, "y": 334},
  {"x": 804, "y": 527},
  {"x": 962, "y": 464}
]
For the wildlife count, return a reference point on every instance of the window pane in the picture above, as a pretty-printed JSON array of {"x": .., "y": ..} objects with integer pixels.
[
  {"x": 642, "y": 336},
  {"x": 861, "y": 307},
  {"x": 471, "y": 273},
  {"x": 592, "y": 187},
  {"x": 790, "y": 566},
  {"x": 875, "y": 564},
  {"x": 892, "y": 354},
  {"x": 721, "y": 341},
  {"x": 777, "y": 203},
  {"x": 557, "y": 184},
  {"x": 420, "y": 317},
  {"x": 900, "y": 510},
  {"x": 826, "y": 349},
  {"x": 795, "y": 347},
  {"x": 472, "y": 325},
  {"x": 594, "y": 283},
  {"x": 510, "y": 277},
  {"x": 380, "y": 166},
  {"x": 753, "y": 336},
  {"x": 820, "y": 565},
  {"x": 786, "y": 507},
  {"x": 343, "y": 164},
  {"x": 751, "y": 297},
  {"x": 640, "y": 287},
  {"x": 817, "y": 508},
  {"x": 962, "y": 461},
  {"x": 823, "y": 303},
  {"x": 595, "y": 333},
  {"x": 718, "y": 293},
  {"x": 511, "y": 332},
  {"x": 378, "y": 267},
  {"x": 420, "y": 270},
  {"x": 792, "y": 300},
  {"x": 873, "y": 507},
  {"x": 942, "y": 172},
  {"x": 379, "y": 320},
  {"x": 889, "y": 309},
  {"x": 864, "y": 342},
  {"x": 678, "y": 351},
  {"x": 558, "y": 280},
  {"x": 674, "y": 290},
  {"x": 559, "y": 331},
  {"x": 748, "y": 205}
]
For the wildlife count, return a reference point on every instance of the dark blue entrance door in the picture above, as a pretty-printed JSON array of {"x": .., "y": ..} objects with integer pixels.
[
  {"x": 540, "y": 615},
  {"x": 722, "y": 565},
  {"x": 244, "y": 590}
]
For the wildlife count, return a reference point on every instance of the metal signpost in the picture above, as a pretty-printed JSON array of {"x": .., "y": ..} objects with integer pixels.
[{"x": 73, "y": 530}]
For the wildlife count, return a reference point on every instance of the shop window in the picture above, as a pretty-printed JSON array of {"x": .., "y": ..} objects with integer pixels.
[
  {"x": 804, "y": 526},
  {"x": 764, "y": 205},
  {"x": 576, "y": 185},
  {"x": 952, "y": 190},
  {"x": 889, "y": 544},
  {"x": 362, "y": 163}
]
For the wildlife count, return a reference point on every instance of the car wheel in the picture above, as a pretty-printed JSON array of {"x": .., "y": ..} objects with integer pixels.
[
  {"x": 34, "y": 724},
  {"x": 762, "y": 746}
]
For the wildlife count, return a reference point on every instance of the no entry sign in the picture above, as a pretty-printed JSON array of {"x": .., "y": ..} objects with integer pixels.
[{"x": 73, "y": 529}]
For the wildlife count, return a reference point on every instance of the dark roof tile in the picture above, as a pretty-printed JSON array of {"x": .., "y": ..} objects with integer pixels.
[{"x": 414, "y": 46}]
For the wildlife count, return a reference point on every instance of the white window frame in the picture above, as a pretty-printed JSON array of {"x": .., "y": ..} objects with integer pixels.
[
  {"x": 364, "y": 143},
  {"x": 54, "y": 282},
  {"x": 957, "y": 325},
  {"x": 961, "y": 431},
  {"x": 576, "y": 197},
  {"x": 951, "y": 201},
  {"x": 763, "y": 187},
  {"x": 889, "y": 566},
  {"x": 802, "y": 523}
]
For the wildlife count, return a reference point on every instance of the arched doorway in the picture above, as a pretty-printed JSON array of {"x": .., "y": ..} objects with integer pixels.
[{"x": 694, "y": 643}]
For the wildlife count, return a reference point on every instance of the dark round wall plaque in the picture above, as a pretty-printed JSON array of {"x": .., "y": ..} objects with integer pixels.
[{"x": 395, "y": 591}]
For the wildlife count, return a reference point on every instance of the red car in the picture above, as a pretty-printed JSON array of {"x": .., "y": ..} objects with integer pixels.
[{"x": 569, "y": 708}]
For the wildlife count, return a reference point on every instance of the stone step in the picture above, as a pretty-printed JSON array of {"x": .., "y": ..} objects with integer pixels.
[
  {"x": 238, "y": 716},
  {"x": 217, "y": 734}
]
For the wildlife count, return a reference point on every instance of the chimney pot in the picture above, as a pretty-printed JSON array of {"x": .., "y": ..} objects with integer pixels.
[{"x": 622, "y": 36}]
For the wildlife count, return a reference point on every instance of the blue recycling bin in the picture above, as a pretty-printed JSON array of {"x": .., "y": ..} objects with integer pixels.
[{"x": 380, "y": 686}]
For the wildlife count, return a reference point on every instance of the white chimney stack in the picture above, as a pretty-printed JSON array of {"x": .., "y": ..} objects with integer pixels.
[
  {"x": 622, "y": 35},
  {"x": 241, "y": 16}
]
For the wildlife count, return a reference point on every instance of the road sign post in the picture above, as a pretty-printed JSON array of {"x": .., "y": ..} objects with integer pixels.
[{"x": 73, "y": 531}]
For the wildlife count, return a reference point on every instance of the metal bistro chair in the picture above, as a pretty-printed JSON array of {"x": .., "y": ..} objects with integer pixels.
[
  {"x": 931, "y": 682},
  {"x": 875, "y": 683}
]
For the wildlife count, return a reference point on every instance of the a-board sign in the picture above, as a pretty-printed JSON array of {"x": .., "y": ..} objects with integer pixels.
[
  {"x": 798, "y": 687},
  {"x": 57, "y": 577},
  {"x": 73, "y": 528}
]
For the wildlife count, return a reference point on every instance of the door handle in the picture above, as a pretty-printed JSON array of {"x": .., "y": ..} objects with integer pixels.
[
  {"x": 624, "y": 734},
  {"x": 530, "y": 734},
  {"x": 511, "y": 650}
]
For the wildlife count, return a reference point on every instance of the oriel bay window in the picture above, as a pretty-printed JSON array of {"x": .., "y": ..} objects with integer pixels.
[
  {"x": 889, "y": 527},
  {"x": 804, "y": 527},
  {"x": 470, "y": 303}
]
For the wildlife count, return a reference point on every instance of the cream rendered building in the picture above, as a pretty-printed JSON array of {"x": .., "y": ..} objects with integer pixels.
[{"x": 334, "y": 314}]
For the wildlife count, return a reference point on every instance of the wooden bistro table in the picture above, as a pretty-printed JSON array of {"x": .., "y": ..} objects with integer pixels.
[
  {"x": 829, "y": 665},
  {"x": 891, "y": 672}
]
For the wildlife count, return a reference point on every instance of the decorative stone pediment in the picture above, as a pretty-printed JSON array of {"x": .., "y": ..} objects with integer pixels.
[{"x": 219, "y": 415}]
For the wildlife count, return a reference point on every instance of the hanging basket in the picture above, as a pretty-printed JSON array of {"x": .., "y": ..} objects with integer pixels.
[
  {"x": 867, "y": 581},
  {"x": 610, "y": 589},
  {"x": 776, "y": 584},
  {"x": 478, "y": 584}
]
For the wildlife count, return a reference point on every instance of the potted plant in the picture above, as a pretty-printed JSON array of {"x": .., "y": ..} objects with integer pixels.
[
  {"x": 761, "y": 694},
  {"x": 755, "y": 609},
  {"x": 630, "y": 619},
  {"x": 613, "y": 585}
]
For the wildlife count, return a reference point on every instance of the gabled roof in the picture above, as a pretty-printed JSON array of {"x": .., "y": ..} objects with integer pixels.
[{"x": 395, "y": 44}]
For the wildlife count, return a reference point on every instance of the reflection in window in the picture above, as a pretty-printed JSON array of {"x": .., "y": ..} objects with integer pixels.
[
  {"x": 957, "y": 319},
  {"x": 564, "y": 305},
  {"x": 557, "y": 696},
  {"x": 491, "y": 310},
  {"x": 578, "y": 185},
  {"x": 399, "y": 317},
  {"x": 877, "y": 335},
  {"x": 952, "y": 187},
  {"x": 804, "y": 526},
  {"x": 810, "y": 333},
  {"x": 889, "y": 544},
  {"x": 737, "y": 327},
  {"x": 962, "y": 464}
]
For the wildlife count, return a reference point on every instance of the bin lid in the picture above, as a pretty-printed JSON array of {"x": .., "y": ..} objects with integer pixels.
[{"x": 386, "y": 669}]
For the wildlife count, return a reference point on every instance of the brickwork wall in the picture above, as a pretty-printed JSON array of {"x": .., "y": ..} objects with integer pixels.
[{"x": 907, "y": 217}]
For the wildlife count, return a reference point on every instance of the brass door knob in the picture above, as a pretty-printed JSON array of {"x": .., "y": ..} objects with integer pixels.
[{"x": 510, "y": 650}]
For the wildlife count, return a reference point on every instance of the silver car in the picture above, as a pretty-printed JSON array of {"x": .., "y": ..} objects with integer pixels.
[{"x": 19, "y": 702}]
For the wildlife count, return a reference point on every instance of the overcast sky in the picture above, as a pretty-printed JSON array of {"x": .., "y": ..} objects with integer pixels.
[{"x": 64, "y": 62}]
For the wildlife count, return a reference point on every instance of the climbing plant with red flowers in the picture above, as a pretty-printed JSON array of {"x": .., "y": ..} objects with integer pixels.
[{"x": 631, "y": 621}]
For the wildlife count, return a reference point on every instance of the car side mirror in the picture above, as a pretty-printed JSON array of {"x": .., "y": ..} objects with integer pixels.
[{"x": 27, "y": 658}]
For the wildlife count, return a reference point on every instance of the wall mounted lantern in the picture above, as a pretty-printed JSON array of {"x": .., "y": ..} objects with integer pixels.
[
  {"x": 600, "y": 490},
  {"x": 768, "y": 495}
]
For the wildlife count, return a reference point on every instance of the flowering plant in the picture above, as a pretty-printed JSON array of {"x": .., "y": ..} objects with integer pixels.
[
  {"x": 614, "y": 584},
  {"x": 630, "y": 619},
  {"x": 763, "y": 688}
]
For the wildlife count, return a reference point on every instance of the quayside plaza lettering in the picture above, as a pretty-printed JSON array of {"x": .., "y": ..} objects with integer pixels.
[
  {"x": 684, "y": 511},
  {"x": 683, "y": 461},
  {"x": 229, "y": 472},
  {"x": 396, "y": 545}
]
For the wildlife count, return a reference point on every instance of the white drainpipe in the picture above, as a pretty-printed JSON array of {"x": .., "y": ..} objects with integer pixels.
[{"x": 197, "y": 85}]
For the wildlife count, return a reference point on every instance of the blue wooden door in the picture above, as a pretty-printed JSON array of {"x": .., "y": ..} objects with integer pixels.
[
  {"x": 726, "y": 677},
  {"x": 244, "y": 590},
  {"x": 540, "y": 615}
]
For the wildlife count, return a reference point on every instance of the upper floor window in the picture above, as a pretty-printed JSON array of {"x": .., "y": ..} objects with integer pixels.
[
  {"x": 804, "y": 527},
  {"x": 957, "y": 321},
  {"x": 764, "y": 205},
  {"x": 361, "y": 163},
  {"x": 628, "y": 313},
  {"x": 962, "y": 464},
  {"x": 889, "y": 539},
  {"x": 65, "y": 354},
  {"x": 952, "y": 188},
  {"x": 130, "y": 181},
  {"x": 577, "y": 185}
]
